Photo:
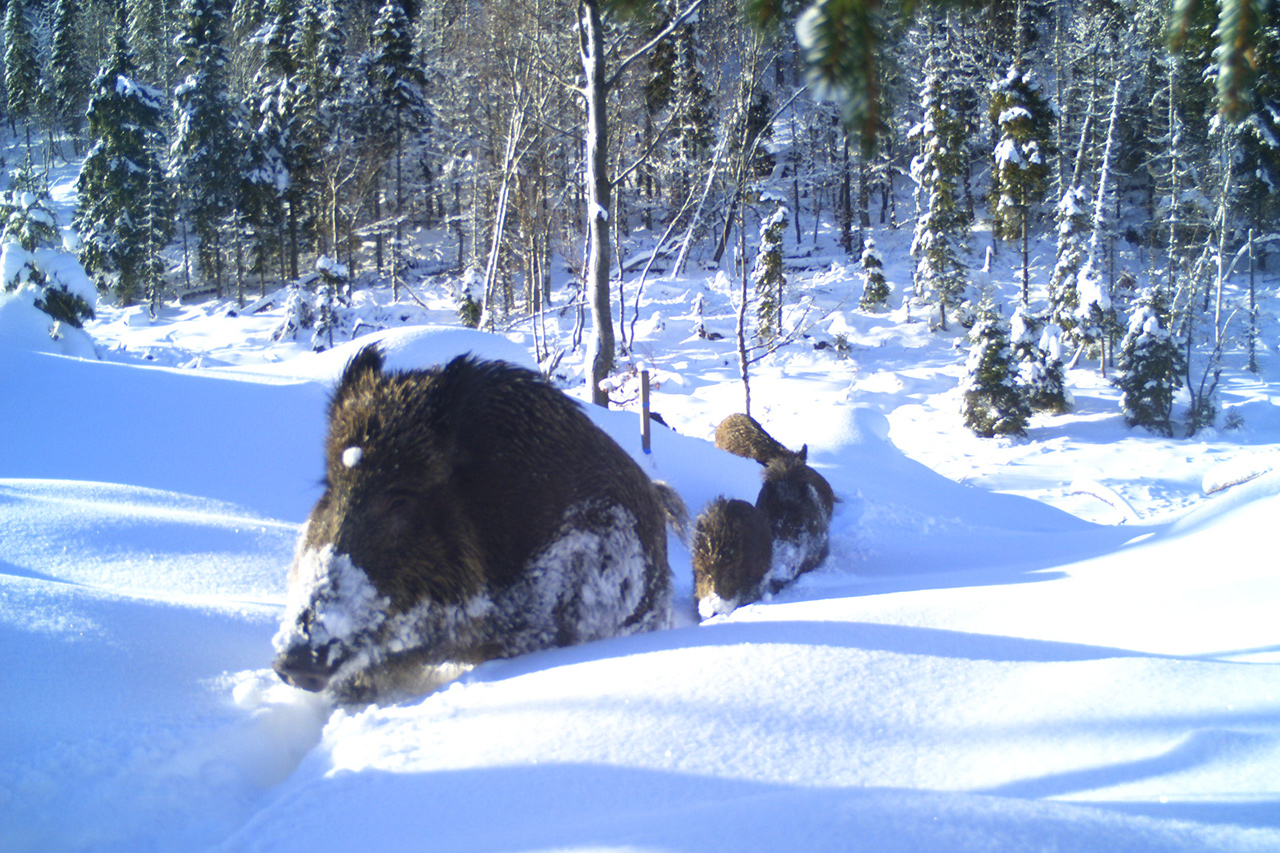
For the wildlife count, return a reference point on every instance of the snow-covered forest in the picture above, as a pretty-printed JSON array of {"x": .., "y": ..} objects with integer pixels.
[
  {"x": 229, "y": 146},
  {"x": 1007, "y": 271}
]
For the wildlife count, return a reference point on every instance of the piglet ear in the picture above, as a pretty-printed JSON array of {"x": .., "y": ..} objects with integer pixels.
[{"x": 368, "y": 361}]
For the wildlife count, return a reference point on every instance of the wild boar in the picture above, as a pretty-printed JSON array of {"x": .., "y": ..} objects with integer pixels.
[
  {"x": 798, "y": 503},
  {"x": 470, "y": 512},
  {"x": 742, "y": 435},
  {"x": 731, "y": 556}
]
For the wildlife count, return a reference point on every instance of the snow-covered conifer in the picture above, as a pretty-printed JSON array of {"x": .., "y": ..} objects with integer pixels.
[
  {"x": 1037, "y": 349},
  {"x": 21, "y": 65},
  {"x": 123, "y": 218},
  {"x": 1151, "y": 365},
  {"x": 332, "y": 295},
  {"x": 1020, "y": 178},
  {"x": 69, "y": 77},
  {"x": 203, "y": 153},
  {"x": 942, "y": 227},
  {"x": 31, "y": 252},
  {"x": 766, "y": 275},
  {"x": 1073, "y": 248},
  {"x": 27, "y": 209},
  {"x": 992, "y": 402},
  {"x": 875, "y": 293}
]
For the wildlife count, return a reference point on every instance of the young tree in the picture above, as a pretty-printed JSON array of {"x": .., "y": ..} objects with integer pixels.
[
  {"x": 942, "y": 228},
  {"x": 992, "y": 402},
  {"x": 31, "y": 253},
  {"x": 123, "y": 216},
  {"x": 1151, "y": 365},
  {"x": 767, "y": 277},
  {"x": 875, "y": 293}
]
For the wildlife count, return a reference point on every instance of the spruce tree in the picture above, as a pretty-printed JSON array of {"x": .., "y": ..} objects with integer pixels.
[
  {"x": 203, "y": 152},
  {"x": 123, "y": 218},
  {"x": 992, "y": 402},
  {"x": 942, "y": 227},
  {"x": 1020, "y": 178},
  {"x": 1151, "y": 365},
  {"x": 1073, "y": 248},
  {"x": 767, "y": 277},
  {"x": 69, "y": 77},
  {"x": 397, "y": 81},
  {"x": 21, "y": 66},
  {"x": 274, "y": 156},
  {"x": 875, "y": 293}
]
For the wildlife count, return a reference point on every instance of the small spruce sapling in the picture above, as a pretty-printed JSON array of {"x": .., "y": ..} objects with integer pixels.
[
  {"x": 875, "y": 295},
  {"x": 1151, "y": 365},
  {"x": 333, "y": 294},
  {"x": 992, "y": 402},
  {"x": 31, "y": 252}
]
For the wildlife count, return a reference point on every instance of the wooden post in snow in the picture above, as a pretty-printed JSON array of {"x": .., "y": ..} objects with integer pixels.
[{"x": 644, "y": 410}]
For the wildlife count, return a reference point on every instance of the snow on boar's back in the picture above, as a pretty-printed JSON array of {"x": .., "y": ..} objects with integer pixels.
[{"x": 470, "y": 512}]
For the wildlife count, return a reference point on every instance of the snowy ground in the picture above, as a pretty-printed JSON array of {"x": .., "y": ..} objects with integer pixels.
[{"x": 1057, "y": 643}]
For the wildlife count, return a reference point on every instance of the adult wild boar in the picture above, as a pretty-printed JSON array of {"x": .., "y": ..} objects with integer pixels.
[{"x": 470, "y": 512}]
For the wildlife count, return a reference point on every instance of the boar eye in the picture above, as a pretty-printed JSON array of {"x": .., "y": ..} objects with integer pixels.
[{"x": 397, "y": 507}]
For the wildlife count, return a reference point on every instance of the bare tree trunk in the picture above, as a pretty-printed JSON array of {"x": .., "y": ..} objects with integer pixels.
[{"x": 596, "y": 274}]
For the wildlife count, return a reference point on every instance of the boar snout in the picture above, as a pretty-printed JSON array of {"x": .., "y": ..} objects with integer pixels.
[{"x": 301, "y": 667}]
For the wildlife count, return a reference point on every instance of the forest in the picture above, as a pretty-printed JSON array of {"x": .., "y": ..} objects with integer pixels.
[{"x": 226, "y": 145}]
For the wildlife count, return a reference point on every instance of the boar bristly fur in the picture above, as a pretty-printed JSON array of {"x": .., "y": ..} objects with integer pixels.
[
  {"x": 470, "y": 512},
  {"x": 731, "y": 556}
]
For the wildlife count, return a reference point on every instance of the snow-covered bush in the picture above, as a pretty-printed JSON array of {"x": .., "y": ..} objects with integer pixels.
[
  {"x": 299, "y": 314},
  {"x": 469, "y": 306},
  {"x": 1150, "y": 366},
  {"x": 992, "y": 402}
]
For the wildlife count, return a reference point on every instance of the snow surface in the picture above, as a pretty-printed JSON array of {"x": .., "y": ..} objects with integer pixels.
[{"x": 1058, "y": 643}]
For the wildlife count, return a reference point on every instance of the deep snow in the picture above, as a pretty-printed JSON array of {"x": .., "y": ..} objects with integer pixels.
[{"x": 1066, "y": 642}]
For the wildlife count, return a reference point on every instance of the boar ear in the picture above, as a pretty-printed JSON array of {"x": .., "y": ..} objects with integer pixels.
[
  {"x": 803, "y": 455},
  {"x": 368, "y": 360}
]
